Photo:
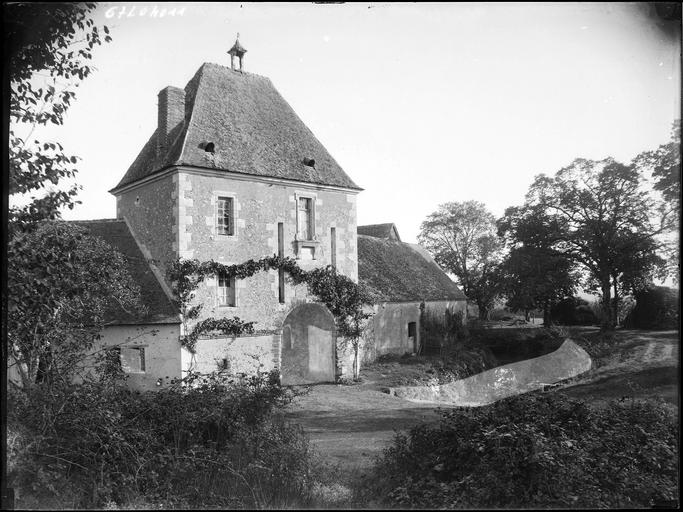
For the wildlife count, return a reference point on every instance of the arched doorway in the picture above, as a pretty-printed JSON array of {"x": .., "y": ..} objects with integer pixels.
[{"x": 308, "y": 345}]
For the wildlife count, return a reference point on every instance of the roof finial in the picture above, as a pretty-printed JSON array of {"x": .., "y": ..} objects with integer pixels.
[{"x": 236, "y": 50}]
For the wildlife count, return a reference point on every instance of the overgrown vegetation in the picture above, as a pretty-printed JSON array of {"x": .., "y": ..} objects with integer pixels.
[
  {"x": 346, "y": 299},
  {"x": 214, "y": 441},
  {"x": 532, "y": 451}
]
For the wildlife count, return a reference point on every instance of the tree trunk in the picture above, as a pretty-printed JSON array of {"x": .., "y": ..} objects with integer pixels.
[
  {"x": 546, "y": 315},
  {"x": 483, "y": 311},
  {"x": 356, "y": 365},
  {"x": 607, "y": 323},
  {"x": 615, "y": 303}
]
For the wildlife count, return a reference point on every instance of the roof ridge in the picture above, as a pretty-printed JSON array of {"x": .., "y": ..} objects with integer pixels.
[
  {"x": 199, "y": 74},
  {"x": 228, "y": 68},
  {"x": 93, "y": 220}
]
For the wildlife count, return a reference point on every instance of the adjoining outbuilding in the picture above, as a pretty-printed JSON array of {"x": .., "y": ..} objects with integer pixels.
[{"x": 411, "y": 286}]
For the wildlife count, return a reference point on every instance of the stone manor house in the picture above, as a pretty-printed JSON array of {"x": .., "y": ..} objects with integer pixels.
[{"x": 231, "y": 173}]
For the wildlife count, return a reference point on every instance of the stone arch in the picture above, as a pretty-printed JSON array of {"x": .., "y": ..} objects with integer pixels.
[{"x": 308, "y": 345}]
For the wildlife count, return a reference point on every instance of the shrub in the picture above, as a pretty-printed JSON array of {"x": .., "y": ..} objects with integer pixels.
[
  {"x": 656, "y": 308},
  {"x": 573, "y": 311},
  {"x": 212, "y": 442},
  {"x": 534, "y": 450}
]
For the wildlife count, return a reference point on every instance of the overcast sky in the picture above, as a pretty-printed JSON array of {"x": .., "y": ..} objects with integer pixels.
[{"x": 420, "y": 104}]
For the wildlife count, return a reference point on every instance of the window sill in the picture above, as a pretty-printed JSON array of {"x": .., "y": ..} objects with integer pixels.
[{"x": 312, "y": 244}]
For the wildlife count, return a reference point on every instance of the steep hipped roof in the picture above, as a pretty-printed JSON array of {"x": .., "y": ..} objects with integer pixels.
[
  {"x": 401, "y": 272},
  {"x": 254, "y": 131},
  {"x": 387, "y": 231},
  {"x": 160, "y": 310}
]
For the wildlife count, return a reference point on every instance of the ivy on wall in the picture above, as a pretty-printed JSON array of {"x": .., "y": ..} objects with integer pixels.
[{"x": 341, "y": 295}]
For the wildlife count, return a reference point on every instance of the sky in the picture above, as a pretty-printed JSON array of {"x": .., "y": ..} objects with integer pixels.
[{"x": 420, "y": 104}]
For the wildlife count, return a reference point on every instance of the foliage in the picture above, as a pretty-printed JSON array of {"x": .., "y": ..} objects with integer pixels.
[
  {"x": 345, "y": 298},
  {"x": 533, "y": 274},
  {"x": 462, "y": 238},
  {"x": 534, "y": 451},
  {"x": 211, "y": 442},
  {"x": 62, "y": 286},
  {"x": 57, "y": 39},
  {"x": 573, "y": 311},
  {"x": 441, "y": 331},
  {"x": 656, "y": 308},
  {"x": 231, "y": 326},
  {"x": 596, "y": 214},
  {"x": 665, "y": 165}
]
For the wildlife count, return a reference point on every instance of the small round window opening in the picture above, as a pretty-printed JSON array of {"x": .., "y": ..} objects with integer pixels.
[
  {"x": 210, "y": 147},
  {"x": 309, "y": 162}
]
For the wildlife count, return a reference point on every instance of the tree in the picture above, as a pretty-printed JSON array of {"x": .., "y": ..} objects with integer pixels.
[
  {"x": 597, "y": 214},
  {"x": 536, "y": 278},
  {"x": 665, "y": 165},
  {"x": 534, "y": 274},
  {"x": 48, "y": 44},
  {"x": 463, "y": 241},
  {"x": 63, "y": 285}
]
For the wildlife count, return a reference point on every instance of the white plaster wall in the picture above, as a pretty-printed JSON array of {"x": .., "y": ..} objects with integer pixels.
[{"x": 162, "y": 351}]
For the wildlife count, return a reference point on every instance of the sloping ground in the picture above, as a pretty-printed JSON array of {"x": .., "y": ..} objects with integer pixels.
[
  {"x": 512, "y": 379},
  {"x": 640, "y": 364},
  {"x": 350, "y": 425}
]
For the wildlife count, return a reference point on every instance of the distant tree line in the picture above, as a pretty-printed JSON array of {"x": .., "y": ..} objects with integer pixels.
[{"x": 600, "y": 226}]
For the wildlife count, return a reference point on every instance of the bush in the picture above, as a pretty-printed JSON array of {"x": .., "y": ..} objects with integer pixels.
[
  {"x": 656, "y": 308},
  {"x": 573, "y": 311},
  {"x": 210, "y": 443},
  {"x": 535, "y": 450}
]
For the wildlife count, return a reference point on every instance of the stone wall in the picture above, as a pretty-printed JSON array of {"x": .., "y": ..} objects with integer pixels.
[
  {"x": 259, "y": 207},
  {"x": 151, "y": 211},
  {"x": 245, "y": 354},
  {"x": 389, "y": 328}
]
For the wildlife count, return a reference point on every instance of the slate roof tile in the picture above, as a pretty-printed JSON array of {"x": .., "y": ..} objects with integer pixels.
[
  {"x": 253, "y": 128},
  {"x": 402, "y": 272}
]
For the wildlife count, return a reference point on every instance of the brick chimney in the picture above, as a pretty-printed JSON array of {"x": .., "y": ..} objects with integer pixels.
[{"x": 171, "y": 114}]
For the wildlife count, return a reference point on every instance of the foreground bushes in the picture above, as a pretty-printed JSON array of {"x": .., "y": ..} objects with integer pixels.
[
  {"x": 212, "y": 444},
  {"x": 534, "y": 451}
]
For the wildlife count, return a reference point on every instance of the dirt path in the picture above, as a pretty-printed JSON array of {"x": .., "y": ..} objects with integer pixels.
[
  {"x": 352, "y": 424},
  {"x": 644, "y": 364}
]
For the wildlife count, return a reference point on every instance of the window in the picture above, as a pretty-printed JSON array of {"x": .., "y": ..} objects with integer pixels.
[
  {"x": 225, "y": 216},
  {"x": 226, "y": 290},
  {"x": 132, "y": 359},
  {"x": 305, "y": 217}
]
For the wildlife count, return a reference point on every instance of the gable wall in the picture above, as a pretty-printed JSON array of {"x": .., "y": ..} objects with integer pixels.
[
  {"x": 259, "y": 206},
  {"x": 152, "y": 218}
]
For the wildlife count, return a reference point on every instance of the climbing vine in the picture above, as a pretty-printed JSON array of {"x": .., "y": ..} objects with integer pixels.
[{"x": 346, "y": 299}]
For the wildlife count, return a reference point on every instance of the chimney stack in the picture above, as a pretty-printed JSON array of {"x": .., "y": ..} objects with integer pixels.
[{"x": 171, "y": 114}]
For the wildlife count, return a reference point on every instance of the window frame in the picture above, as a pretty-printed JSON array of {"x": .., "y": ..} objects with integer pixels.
[
  {"x": 141, "y": 354},
  {"x": 311, "y": 235},
  {"x": 220, "y": 219},
  {"x": 220, "y": 294}
]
